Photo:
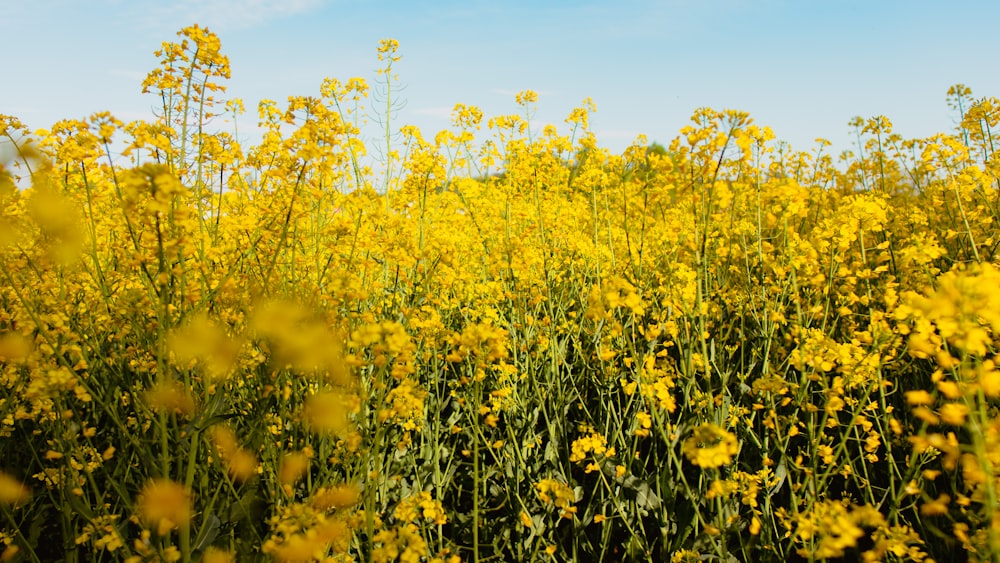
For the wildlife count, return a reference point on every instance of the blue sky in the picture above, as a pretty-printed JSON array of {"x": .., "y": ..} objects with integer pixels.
[{"x": 803, "y": 67}]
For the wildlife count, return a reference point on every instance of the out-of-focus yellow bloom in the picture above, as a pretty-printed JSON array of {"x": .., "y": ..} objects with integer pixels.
[
  {"x": 963, "y": 309},
  {"x": 204, "y": 341},
  {"x": 335, "y": 498},
  {"x": 9, "y": 553},
  {"x": 241, "y": 463},
  {"x": 12, "y": 492},
  {"x": 293, "y": 467},
  {"x": 327, "y": 413},
  {"x": 954, "y": 413},
  {"x": 919, "y": 397},
  {"x": 301, "y": 340},
  {"x": 59, "y": 221},
  {"x": 14, "y": 347},
  {"x": 216, "y": 555},
  {"x": 936, "y": 507},
  {"x": 170, "y": 397},
  {"x": 164, "y": 505}
]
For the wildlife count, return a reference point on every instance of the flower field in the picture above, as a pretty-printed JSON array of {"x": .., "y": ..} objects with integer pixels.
[{"x": 496, "y": 344}]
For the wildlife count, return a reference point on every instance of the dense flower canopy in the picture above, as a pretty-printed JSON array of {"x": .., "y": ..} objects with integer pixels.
[{"x": 497, "y": 342}]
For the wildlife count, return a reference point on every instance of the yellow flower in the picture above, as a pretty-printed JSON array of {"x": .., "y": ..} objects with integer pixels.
[
  {"x": 9, "y": 553},
  {"x": 962, "y": 310},
  {"x": 989, "y": 378},
  {"x": 526, "y": 97},
  {"x": 645, "y": 423},
  {"x": 216, "y": 555},
  {"x": 326, "y": 413},
  {"x": 525, "y": 519},
  {"x": 831, "y": 527},
  {"x": 557, "y": 494},
  {"x": 335, "y": 498},
  {"x": 300, "y": 340},
  {"x": 299, "y": 547},
  {"x": 388, "y": 47},
  {"x": 14, "y": 347},
  {"x": 293, "y": 467},
  {"x": 204, "y": 341},
  {"x": 170, "y": 397},
  {"x": 954, "y": 413},
  {"x": 242, "y": 465},
  {"x": 582, "y": 447},
  {"x": 936, "y": 507},
  {"x": 12, "y": 492},
  {"x": 919, "y": 397},
  {"x": 164, "y": 505},
  {"x": 58, "y": 220},
  {"x": 710, "y": 446}
]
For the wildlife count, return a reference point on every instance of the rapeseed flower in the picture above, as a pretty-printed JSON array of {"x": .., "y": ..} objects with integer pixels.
[
  {"x": 505, "y": 289},
  {"x": 12, "y": 492},
  {"x": 559, "y": 495},
  {"x": 591, "y": 444},
  {"x": 832, "y": 527},
  {"x": 962, "y": 310},
  {"x": 335, "y": 498},
  {"x": 200, "y": 340},
  {"x": 164, "y": 505},
  {"x": 170, "y": 397},
  {"x": 710, "y": 446},
  {"x": 327, "y": 413},
  {"x": 420, "y": 505}
]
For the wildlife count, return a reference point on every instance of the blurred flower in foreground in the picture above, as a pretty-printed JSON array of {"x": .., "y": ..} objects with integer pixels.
[
  {"x": 12, "y": 492},
  {"x": 164, "y": 505}
]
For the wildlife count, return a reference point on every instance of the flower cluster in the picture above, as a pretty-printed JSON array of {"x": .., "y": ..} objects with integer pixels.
[{"x": 498, "y": 341}]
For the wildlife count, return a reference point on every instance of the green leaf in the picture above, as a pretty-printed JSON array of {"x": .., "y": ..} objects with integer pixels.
[
  {"x": 209, "y": 531},
  {"x": 79, "y": 506},
  {"x": 645, "y": 497},
  {"x": 780, "y": 474}
]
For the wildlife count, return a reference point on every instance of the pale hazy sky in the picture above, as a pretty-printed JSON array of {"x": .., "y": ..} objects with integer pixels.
[{"x": 803, "y": 67}]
